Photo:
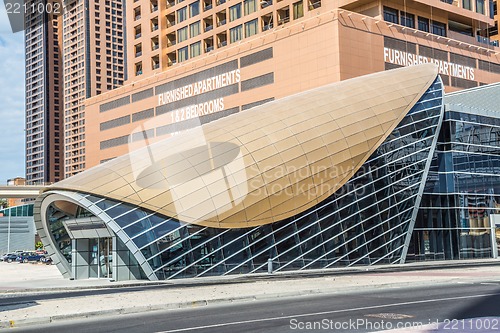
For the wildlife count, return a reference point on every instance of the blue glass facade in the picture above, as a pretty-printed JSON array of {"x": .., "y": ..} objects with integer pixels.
[{"x": 463, "y": 189}]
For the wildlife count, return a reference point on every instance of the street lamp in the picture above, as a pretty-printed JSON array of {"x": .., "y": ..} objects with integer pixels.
[{"x": 8, "y": 232}]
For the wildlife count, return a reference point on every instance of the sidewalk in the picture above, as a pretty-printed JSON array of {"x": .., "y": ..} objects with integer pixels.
[{"x": 206, "y": 291}]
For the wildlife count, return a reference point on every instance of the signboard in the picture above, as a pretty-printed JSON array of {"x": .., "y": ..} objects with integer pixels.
[
  {"x": 402, "y": 58},
  {"x": 195, "y": 89}
]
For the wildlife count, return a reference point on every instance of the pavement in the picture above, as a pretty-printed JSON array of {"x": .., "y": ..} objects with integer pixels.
[{"x": 34, "y": 284}]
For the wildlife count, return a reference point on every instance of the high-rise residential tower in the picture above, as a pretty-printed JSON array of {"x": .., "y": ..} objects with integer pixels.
[
  {"x": 44, "y": 100},
  {"x": 69, "y": 57}
]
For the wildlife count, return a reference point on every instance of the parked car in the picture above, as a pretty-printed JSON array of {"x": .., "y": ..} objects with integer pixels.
[
  {"x": 46, "y": 259},
  {"x": 28, "y": 256},
  {"x": 9, "y": 257}
]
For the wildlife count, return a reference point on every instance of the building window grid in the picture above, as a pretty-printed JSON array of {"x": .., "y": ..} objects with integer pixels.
[
  {"x": 407, "y": 19},
  {"x": 391, "y": 15},
  {"x": 236, "y": 33},
  {"x": 235, "y": 12}
]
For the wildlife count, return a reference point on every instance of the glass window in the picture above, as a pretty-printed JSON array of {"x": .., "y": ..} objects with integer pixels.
[
  {"x": 194, "y": 8},
  {"x": 467, "y": 4},
  {"x": 423, "y": 24},
  {"x": 235, "y": 34},
  {"x": 195, "y": 49},
  {"x": 194, "y": 29},
  {"x": 250, "y": 6},
  {"x": 408, "y": 20},
  {"x": 181, "y": 14},
  {"x": 235, "y": 12},
  {"x": 251, "y": 28},
  {"x": 439, "y": 28},
  {"x": 182, "y": 34},
  {"x": 298, "y": 10},
  {"x": 182, "y": 54},
  {"x": 480, "y": 6},
  {"x": 391, "y": 15}
]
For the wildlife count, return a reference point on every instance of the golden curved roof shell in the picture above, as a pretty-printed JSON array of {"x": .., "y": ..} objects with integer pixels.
[{"x": 265, "y": 164}]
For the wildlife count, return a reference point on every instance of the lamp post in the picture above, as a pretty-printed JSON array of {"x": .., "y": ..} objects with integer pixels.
[{"x": 8, "y": 232}]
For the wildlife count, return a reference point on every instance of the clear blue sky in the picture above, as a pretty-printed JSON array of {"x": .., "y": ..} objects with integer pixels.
[{"x": 12, "y": 150}]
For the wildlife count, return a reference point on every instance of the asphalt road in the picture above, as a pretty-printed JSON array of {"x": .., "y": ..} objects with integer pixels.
[{"x": 452, "y": 305}]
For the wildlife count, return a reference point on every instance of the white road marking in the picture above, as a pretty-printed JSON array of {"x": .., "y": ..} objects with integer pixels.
[{"x": 324, "y": 313}]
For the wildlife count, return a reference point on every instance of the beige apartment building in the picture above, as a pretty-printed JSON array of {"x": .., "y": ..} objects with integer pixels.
[{"x": 194, "y": 61}]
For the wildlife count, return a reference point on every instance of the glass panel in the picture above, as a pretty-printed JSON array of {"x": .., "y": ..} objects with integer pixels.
[
  {"x": 251, "y": 28},
  {"x": 194, "y": 29},
  {"x": 182, "y": 54},
  {"x": 298, "y": 10},
  {"x": 235, "y": 34},
  {"x": 194, "y": 8},
  {"x": 181, "y": 14},
  {"x": 391, "y": 15},
  {"x": 195, "y": 49},
  {"x": 234, "y": 12},
  {"x": 250, "y": 6}
]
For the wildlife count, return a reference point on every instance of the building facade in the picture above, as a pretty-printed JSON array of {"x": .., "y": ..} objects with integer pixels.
[
  {"x": 316, "y": 43},
  {"x": 277, "y": 48},
  {"x": 71, "y": 55},
  {"x": 94, "y": 62},
  {"x": 11, "y": 202},
  {"x": 17, "y": 229},
  {"x": 44, "y": 98},
  {"x": 461, "y": 198}
]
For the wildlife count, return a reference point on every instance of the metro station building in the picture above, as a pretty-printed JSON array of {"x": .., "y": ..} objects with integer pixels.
[
  {"x": 390, "y": 167},
  {"x": 382, "y": 168}
]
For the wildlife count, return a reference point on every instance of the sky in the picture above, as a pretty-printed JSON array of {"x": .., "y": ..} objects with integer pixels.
[{"x": 12, "y": 149}]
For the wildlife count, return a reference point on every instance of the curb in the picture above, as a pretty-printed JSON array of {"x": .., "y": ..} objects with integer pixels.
[
  {"x": 247, "y": 278},
  {"x": 207, "y": 302}
]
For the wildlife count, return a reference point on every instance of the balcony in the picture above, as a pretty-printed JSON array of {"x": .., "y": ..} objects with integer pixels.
[
  {"x": 283, "y": 20},
  {"x": 221, "y": 22},
  {"x": 487, "y": 41}
]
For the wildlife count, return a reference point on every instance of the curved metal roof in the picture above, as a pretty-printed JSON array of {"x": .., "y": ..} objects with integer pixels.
[{"x": 265, "y": 164}]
